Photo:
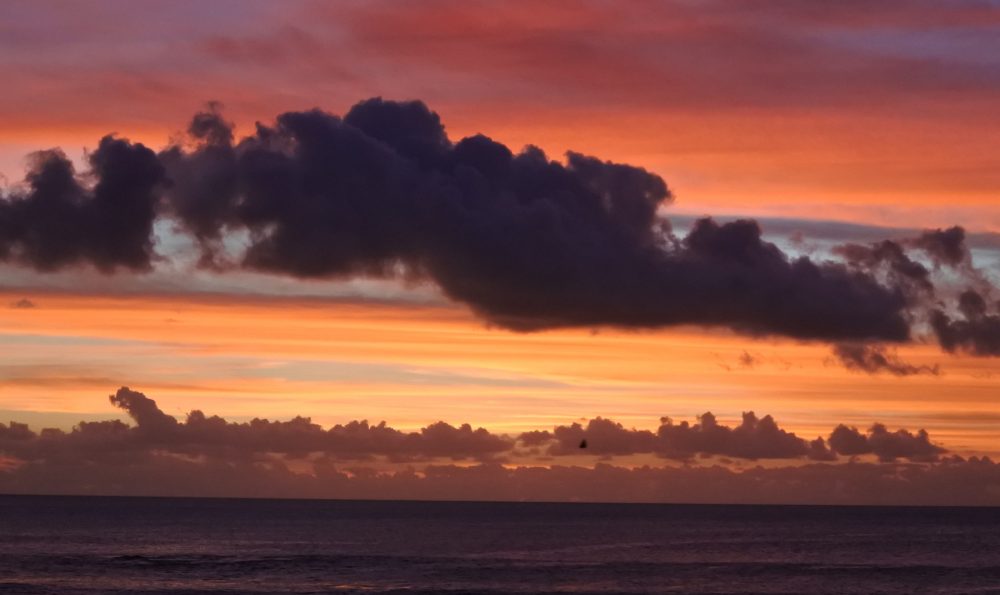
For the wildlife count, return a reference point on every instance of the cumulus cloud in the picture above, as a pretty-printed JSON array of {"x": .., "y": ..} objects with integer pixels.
[
  {"x": 526, "y": 242},
  {"x": 944, "y": 246},
  {"x": 976, "y": 331},
  {"x": 956, "y": 308},
  {"x": 886, "y": 445},
  {"x": 58, "y": 221},
  {"x": 602, "y": 437},
  {"x": 754, "y": 438},
  {"x": 201, "y": 435},
  {"x": 213, "y": 436},
  {"x": 888, "y": 259}
]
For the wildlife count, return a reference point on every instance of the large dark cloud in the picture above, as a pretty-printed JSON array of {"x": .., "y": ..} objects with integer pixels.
[{"x": 526, "y": 242}]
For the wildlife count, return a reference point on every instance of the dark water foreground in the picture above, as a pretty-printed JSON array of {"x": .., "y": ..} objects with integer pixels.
[{"x": 68, "y": 546}]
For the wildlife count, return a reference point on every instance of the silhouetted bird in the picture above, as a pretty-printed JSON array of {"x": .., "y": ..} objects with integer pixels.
[{"x": 583, "y": 443}]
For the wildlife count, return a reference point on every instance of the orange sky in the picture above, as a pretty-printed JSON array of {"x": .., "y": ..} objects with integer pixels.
[
  {"x": 411, "y": 366},
  {"x": 886, "y": 119},
  {"x": 887, "y": 116}
]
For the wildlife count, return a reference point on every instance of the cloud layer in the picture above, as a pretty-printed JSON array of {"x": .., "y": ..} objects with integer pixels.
[
  {"x": 212, "y": 436},
  {"x": 209, "y": 456}
]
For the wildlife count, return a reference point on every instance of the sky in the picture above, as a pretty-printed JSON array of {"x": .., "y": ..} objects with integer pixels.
[{"x": 745, "y": 251}]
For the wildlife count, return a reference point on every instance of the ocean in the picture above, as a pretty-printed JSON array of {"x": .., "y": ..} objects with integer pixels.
[{"x": 91, "y": 545}]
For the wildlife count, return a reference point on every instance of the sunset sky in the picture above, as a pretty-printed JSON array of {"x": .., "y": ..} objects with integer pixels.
[{"x": 364, "y": 262}]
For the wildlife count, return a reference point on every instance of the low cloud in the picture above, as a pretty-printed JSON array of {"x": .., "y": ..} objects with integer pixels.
[
  {"x": 201, "y": 435},
  {"x": 207, "y": 455},
  {"x": 754, "y": 438},
  {"x": 887, "y": 446},
  {"x": 212, "y": 436}
]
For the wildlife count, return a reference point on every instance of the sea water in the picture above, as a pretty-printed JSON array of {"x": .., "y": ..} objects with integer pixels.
[{"x": 78, "y": 545}]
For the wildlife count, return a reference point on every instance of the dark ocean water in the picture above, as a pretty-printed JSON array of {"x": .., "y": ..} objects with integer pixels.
[{"x": 73, "y": 545}]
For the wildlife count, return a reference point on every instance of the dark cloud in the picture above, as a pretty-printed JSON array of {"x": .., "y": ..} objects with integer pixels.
[
  {"x": 889, "y": 259},
  {"x": 754, "y": 438},
  {"x": 886, "y": 445},
  {"x": 819, "y": 451},
  {"x": 23, "y": 304},
  {"x": 203, "y": 184},
  {"x": 602, "y": 436},
  {"x": 977, "y": 331},
  {"x": 748, "y": 361},
  {"x": 526, "y": 242},
  {"x": 201, "y": 435},
  {"x": 59, "y": 221},
  {"x": 971, "y": 325},
  {"x": 944, "y": 246},
  {"x": 874, "y": 359},
  {"x": 799, "y": 231},
  {"x": 207, "y": 455},
  {"x": 148, "y": 417}
]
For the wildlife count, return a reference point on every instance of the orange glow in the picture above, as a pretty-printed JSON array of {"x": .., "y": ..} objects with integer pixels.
[{"x": 413, "y": 365}]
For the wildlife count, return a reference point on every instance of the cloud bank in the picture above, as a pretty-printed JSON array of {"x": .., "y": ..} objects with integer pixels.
[
  {"x": 202, "y": 455},
  {"x": 212, "y": 436}
]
